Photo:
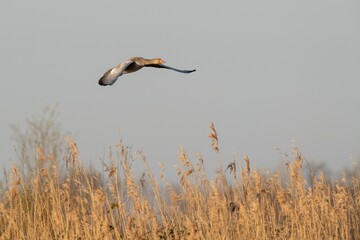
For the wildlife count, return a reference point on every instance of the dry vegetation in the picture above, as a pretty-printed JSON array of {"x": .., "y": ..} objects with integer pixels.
[{"x": 238, "y": 203}]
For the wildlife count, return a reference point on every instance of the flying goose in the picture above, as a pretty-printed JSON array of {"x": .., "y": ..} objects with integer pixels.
[{"x": 132, "y": 65}]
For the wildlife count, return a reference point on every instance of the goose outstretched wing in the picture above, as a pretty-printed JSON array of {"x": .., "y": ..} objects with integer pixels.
[
  {"x": 167, "y": 67},
  {"x": 110, "y": 77}
]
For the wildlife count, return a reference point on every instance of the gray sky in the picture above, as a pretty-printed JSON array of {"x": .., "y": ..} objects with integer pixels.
[{"x": 268, "y": 73}]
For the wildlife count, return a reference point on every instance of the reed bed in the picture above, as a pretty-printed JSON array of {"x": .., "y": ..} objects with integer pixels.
[{"x": 238, "y": 203}]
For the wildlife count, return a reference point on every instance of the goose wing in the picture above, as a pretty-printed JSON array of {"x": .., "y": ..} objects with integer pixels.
[
  {"x": 167, "y": 67},
  {"x": 110, "y": 77}
]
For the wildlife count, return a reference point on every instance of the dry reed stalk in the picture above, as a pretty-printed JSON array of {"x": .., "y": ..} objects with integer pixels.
[
  {"x": 159, "y": 201},
  {"x": 204, "y": 182},
  {"x": 232, "y": 168},
  {"x": 214, "y": 138},
  {"x": 185, "y": 173},
  {"x": 221, "y": 178},
  {"x": 73, "y": 151},
  {"x": 247, "y": 162},
  {"x": 218, "y": 212},
  {"x": 296, "y": 178}
]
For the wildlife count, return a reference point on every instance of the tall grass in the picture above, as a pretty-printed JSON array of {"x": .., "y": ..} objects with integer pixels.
[{"x": 79, "y": 203}]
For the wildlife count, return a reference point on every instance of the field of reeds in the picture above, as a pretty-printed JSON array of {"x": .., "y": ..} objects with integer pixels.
[{"x": 78, "y": 202}]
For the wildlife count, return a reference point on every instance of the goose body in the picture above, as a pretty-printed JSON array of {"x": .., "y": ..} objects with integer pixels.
[{"x": 132, "y": 65}]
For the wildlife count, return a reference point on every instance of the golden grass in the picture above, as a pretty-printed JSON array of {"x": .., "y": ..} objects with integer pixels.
[{"x": 82, "y": 204}]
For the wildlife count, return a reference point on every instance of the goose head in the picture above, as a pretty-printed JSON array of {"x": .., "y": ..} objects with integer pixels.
[{"x": 160, "y": 61}]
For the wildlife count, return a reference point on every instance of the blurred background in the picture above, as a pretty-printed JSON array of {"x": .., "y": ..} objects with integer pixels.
[{"x": 270, "y": 74}]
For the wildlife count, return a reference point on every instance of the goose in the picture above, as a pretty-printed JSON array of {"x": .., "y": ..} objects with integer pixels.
[{"x": 132, "y": 65}]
